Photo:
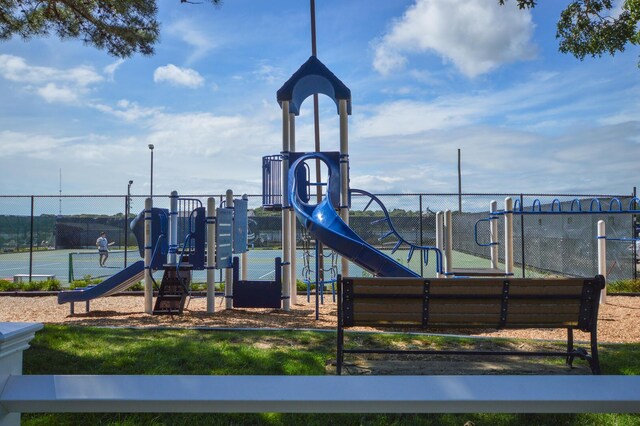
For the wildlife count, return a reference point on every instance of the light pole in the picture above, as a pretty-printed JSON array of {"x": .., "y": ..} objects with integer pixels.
[
  {"x": 151, "y": 190},
  {"x": 127, "y": 209}
]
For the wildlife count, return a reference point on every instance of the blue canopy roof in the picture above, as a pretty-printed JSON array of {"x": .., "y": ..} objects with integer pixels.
[{"x": 311, "y": 78}]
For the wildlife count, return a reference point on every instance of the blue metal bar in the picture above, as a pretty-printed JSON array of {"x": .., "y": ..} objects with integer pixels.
[
  {"x": 393, "y": 231},
  {"x": 617, "y": 200},
  {"x": 516, "y": 204},
  {"x": 597, "y": 204},
  {"x": 475, "y": 232},
  {"x": 554, "y": 203},
  {"x": 397, "y": 246},
  {"x": 533, "y": 207},
  {"x": 388, "y": 234},
  {"x": 579, "y": 205}
]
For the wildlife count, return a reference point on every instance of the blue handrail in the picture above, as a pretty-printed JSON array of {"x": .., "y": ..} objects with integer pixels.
[{"x": 475, "y": 232}]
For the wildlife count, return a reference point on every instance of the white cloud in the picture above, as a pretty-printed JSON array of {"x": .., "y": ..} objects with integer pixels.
[
  {"x": 477, "y": 36},
  {"x": 16, "y": 69},
  {"x": 188, "y": 32},
  {"x": 110, "y": 70},
  {"x": 127, "y": 110},
  {"x": 178, "y": 76},
  {"x": 52, "y": 84},
  {"x": 53, "y": 93}
]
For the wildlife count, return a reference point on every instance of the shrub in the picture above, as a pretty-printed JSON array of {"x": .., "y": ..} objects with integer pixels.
[
  {"x": 85, "y": 281},
  {"x": 136, "y": 287},
  {"x": 624, "y": 286},
  {"x": 46, "y": 285},
  {"x": 6, "y": 285}
]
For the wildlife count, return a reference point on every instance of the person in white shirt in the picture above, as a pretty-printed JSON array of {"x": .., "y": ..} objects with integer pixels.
[{"x": 103, "y": 248}]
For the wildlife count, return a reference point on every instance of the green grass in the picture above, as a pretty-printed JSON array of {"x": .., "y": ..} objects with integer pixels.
[{"x": 87, "y": 350}]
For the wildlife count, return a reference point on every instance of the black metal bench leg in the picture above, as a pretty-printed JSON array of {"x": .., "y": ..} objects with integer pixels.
[
  {"x": 570, "y": 351},
  {"x": 594, "y": 360}
]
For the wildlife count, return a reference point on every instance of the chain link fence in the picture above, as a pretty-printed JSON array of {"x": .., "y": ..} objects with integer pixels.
[{"x": 56, "y": 235}]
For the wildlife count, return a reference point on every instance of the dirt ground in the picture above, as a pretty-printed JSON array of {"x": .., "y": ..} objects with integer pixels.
[{"x": 619, "y": 318}]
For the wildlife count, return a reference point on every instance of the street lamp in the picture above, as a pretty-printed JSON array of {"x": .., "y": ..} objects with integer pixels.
[
  {"x": 151, "y": 190},
  {"x": 127, "y": 209}
]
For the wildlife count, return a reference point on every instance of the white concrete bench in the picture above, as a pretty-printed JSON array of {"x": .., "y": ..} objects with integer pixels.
[
  {"x": 322, "y": 394},
  {"x": 18, "y": 278},
  {"x": 298, "y": 394}
]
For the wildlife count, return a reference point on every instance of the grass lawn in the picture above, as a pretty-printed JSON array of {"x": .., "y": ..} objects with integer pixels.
[{"x": 86, "y": 350}]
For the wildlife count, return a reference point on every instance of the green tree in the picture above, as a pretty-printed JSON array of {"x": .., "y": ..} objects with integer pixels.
[
  {"x": 122, "y": 27},
  {"x": 589, "y": 27}
]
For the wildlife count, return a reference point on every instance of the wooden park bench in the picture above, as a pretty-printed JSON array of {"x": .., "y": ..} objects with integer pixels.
[{"x": 499, "y": 303}]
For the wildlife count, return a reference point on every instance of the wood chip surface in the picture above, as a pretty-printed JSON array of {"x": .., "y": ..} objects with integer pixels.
[{"x": 618, "y": 319}]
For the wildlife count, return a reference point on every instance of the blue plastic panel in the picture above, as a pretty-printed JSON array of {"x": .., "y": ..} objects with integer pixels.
[
  {"x": 240, "y": 226},
  {"x": 196, "y": 258},
  {"x": 224, "y": 237}
]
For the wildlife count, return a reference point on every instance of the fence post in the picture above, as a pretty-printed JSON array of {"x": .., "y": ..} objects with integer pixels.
[
  {"x": 31, "y": 241},
  {"x": 522, "y": 242},
  {"x": 602, "y": 256},
  {"x": 508, "y": 236},
  {"x": 634, "y": 234},
  {"x": 14, "y": 339},
  {"x": 421, "y": 235},
  {"x": 440, "y": 238},
  {"x": 448, "y": 244}
]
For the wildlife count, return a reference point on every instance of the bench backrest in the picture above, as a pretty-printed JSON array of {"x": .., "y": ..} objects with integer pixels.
[{"x": 477, "y": 302}]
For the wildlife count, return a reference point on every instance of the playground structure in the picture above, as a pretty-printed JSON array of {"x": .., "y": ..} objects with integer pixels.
[
  {"x": 185, "y": 238},
  {"x": 287, "y": 187}
]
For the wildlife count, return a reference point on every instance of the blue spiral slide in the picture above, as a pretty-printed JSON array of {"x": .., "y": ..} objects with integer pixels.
[{"x": 323, "y": 222}]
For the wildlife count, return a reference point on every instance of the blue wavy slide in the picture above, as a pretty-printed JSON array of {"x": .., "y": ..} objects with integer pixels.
[
  {"x": 112, "y": 285},
  {"x": 323, "y": 222}
]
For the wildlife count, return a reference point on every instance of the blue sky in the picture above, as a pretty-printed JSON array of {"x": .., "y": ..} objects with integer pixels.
[{"x": 427, "y": 77}]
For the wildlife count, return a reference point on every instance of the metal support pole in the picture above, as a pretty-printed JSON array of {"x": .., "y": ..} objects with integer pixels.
[
  {"x": 126, "y": 227},
  {"x": 244, "y": 257},
  {"x": 31, "y": 240},
  {"x": 173, "y": 228},
  {"x": 440, "y": 237},
  {"x": 508, "y": 236},
  {"x": 211, "y": 255},
  {"x": 459, "y": 182},
  {"x": 293, "y": 221},
  {"x": 286, "y": 210},
  {"x": 634, "y": 234},
  {"x": 318, "y": 278},
  {"x": 493, "y": 230},
  {"x": 522, "y": 239},
  {"x": 228, "y": 272},
  {"x": 602, "y": 257},
  {"x": 344, "y": 172},
  {"x": 148, "y": 282},
  {"x": 448, "y": 244},
  {"x": 421, "y": 234}
]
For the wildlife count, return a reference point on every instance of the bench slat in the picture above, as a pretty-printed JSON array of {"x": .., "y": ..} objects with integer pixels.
[{"x": 461, "y": 307}]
